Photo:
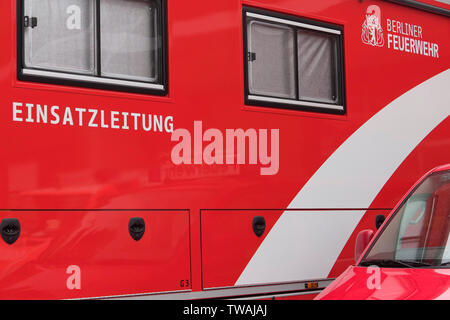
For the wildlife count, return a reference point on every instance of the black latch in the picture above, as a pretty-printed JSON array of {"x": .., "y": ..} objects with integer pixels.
[
  {"x": 251, "y": 56},
  {"x": 136, "y": 228},
  {"x": 259, "y": 225},
  {"x": 29, "y": 22},
  {"x": 10, "y": 229},
  {"x": 379, "y": 219}
]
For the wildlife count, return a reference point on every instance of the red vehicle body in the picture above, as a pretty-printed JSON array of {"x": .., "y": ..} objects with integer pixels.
[
  {"x": 404, "y": 284},
  {"x": 424, "y": 283},
  {"x": 74, "y": 188}
]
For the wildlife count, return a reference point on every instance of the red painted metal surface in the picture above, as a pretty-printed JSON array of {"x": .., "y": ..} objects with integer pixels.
[
  {"x": 61, "y": 174},
  {"x": 309, "y": 296},
  {"x": 228, "y": 239},
  {"x": 396, "y": 284}
]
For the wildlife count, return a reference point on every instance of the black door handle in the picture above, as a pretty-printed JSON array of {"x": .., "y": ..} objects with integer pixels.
[
  {"x": 10, "y": 229},
  {"x": 136, "y": 228},
  {"x": 259, "y": 225},
  {"x": 379, "y": 219}
]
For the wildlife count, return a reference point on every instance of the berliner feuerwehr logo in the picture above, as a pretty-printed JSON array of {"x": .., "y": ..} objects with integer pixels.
[{"x": 372, "y": 32}]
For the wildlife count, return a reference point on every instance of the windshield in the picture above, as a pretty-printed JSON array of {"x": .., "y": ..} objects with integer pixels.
[{"x": 418, "y": 233}]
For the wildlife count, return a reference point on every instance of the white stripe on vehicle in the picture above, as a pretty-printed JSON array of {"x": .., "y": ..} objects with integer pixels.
[{"x": 305, "y": 245}]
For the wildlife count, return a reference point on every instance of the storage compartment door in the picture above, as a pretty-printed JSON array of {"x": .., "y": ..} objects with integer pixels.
[{"x": 78, "y": 254}]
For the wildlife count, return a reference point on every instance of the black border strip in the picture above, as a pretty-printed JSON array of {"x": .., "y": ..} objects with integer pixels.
[
  {"x": 299, "y": 107},
  {"x": 422, "y": 6},
  {"x": 98, "y": 38},
  {"x": 93, "y": 84}
]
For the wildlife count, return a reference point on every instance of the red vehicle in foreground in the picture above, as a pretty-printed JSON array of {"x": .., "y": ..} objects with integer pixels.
[
  {"x": 168, "y": 149},
  {"x": 409, "y": 257}
]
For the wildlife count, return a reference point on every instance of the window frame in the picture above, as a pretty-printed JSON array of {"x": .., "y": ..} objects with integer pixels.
[
  {"x": 95, "y": 81},
  {"x": 296, "y": 23}
]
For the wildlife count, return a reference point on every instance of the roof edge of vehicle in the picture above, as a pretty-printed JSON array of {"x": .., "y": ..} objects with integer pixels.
[{"x": 436, "y": 7}]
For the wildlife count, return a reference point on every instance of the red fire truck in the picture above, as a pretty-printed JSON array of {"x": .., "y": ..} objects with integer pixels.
[{"x": 202, "y": 149}]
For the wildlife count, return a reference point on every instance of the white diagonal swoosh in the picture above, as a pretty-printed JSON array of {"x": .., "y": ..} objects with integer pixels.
[{"x": 350, "y": 178}]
